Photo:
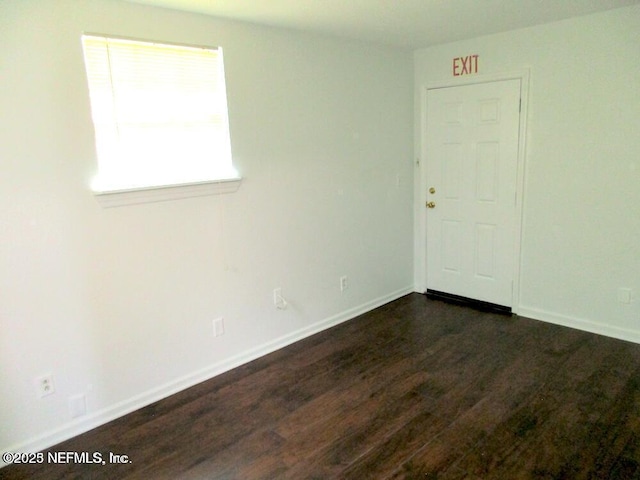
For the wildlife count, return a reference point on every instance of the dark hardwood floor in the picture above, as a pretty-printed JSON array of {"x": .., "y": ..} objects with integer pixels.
[{"x": 415, "y": 389}]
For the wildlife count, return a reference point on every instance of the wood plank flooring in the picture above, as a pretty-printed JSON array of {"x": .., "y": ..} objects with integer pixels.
[{"x": 416, "y": 389}]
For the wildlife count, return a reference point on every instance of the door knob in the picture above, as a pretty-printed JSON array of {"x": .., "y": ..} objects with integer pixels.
[
  {"x": 431, "y": 204},
  {"x": 432, "y": 190}
]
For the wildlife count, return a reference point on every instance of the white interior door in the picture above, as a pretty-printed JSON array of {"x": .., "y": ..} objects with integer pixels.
[{"x": 471, "y": 168}]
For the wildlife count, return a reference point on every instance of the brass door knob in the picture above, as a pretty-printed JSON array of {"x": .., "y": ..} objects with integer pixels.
[{"x": 431, "y": 204}]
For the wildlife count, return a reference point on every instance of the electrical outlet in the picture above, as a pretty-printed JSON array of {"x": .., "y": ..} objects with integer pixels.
[
  {"x": 344, "y": 283},
  {"x": 77, "y": 405},
  {"x": 277, "y": 296},
  {"x": 624, "y": 295},
  {"x": 44, "y": 385},
  {"x": 278, "y": 300},
  {"x": 218, "y": 327}
]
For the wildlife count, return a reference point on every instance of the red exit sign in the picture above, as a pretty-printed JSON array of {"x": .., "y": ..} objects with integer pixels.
[{"x": 465, "y": 65}]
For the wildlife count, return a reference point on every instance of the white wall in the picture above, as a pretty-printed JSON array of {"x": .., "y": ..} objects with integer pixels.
[
  {"x": 581, "y": 232},
  {"x": 118, "y": 303}
]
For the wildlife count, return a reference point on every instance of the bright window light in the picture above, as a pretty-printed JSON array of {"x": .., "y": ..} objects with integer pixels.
[{"x": 159, "y": 113}]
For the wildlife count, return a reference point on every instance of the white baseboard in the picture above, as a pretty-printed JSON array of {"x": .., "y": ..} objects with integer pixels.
[
  {"x": 106, "y": 415},
  {"x": 419, "y": 288},
  {"x": 580, "y": 324}
]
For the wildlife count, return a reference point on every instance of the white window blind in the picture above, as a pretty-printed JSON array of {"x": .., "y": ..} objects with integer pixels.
[{"x": 159, "y": 113}]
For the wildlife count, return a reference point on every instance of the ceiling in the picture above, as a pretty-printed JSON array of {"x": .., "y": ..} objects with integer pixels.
[{"x": 403, "y": 23}]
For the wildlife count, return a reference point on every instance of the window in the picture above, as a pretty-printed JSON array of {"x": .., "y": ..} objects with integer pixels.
[{"x": 159, "y": 113}]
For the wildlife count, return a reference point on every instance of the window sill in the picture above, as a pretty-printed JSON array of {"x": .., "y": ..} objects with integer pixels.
[{"x": 133, "y": 196}]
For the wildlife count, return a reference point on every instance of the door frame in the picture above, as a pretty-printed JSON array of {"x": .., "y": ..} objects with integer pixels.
[{"x": 421, "y": 184}]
